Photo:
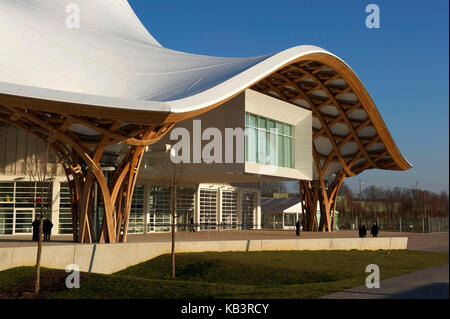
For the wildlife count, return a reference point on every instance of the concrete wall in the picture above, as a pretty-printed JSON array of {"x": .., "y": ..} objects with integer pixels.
[
  {"x": 17, "y": 147},
  {"x": 110, "y": 258}
]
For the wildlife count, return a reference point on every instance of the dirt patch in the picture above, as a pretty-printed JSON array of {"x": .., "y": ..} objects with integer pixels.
[{"x": 51, "y": 282}]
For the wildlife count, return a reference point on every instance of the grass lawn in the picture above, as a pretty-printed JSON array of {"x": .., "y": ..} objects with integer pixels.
[{"x": 271, "y": 274}]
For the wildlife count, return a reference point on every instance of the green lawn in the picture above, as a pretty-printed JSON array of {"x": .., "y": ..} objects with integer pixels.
[{"x": 276, "y": 274}]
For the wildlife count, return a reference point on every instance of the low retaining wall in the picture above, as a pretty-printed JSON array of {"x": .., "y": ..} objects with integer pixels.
[{"x": 109, "y": 258}]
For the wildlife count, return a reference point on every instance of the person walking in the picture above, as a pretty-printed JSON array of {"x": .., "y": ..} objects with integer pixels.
[
  {"x": 362, "y": 230},
  {"x": 191, "y": 228},
  {"x": 297, "y": 228},
  {"x": 47, "y": 229},
  {"x": 374, "y": 231},
  {"x": 35, "y": 225}
]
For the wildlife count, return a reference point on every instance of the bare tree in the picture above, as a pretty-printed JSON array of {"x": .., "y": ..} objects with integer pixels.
[
  {"x": 171, "y": 177},
  {"x": 41, "y": 171}
]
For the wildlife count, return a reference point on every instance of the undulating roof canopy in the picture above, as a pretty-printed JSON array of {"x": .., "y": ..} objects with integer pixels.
[{"x": 112, "y": 69}]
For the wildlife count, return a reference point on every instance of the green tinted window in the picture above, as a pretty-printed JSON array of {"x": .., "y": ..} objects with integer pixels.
[
  {"x": 268, "y": 141},
  {"x": 253, "y": 121},
  {"x": 262, "y": 123}
]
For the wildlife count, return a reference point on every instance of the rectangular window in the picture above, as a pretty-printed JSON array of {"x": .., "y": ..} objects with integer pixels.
[
  {"x": 208, "y": 209},
  {"x": 268, "y": 141},
  {"x": 252, "y": 144},
  {"x": 65, "y": 210},
  {"x": 248, "y": 210},
  {"x": 252, "y": 120},
  {"x": 281, "y": 153},
  {"x": 19, "y": 204},
  {"x": 136, "y": 219},
  {"x": 159, "y": 210},
  {"x": 185, "y": 207},
  {"x": 229, "y": 209}
]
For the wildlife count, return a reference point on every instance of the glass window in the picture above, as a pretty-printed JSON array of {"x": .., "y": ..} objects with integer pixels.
[
  {"x": 262, "y": 147},
  {"x": 280, "y": 151},
  {"x": 65, "y": 210},
  {"x": 253, "y": 121},
  {"x": 158, "y": 218},
  {"x": 289, "y": 219},
  {"x": 136, "y": 218},
  {"x": 288, "y": 130},
  {"x": 268, "y": 141},
  {"x": 229, "y": 210},
  {"x": 280, "y": 128},
  {"x": 252, "y": 148},
  {"x": 273, "y": 149},
  {"x": 208, "y": 209},
  {"x": 262, "y": 123},
  {"x": 288, "y": 149}
]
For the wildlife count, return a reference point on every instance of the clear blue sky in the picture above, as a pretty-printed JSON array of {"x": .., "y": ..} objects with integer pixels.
[{"x": 404, "y": 64}]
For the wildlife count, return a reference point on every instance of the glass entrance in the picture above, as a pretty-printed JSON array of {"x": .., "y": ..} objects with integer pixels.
[{"x": 23, "y": 219}]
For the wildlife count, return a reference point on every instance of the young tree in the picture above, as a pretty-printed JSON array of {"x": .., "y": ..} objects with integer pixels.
[
  {"x": 41, "y": 171},
  {"x": 171, "y": 177}
]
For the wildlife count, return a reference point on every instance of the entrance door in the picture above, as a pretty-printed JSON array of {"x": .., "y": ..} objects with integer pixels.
[{"x": 23, "y": 219}]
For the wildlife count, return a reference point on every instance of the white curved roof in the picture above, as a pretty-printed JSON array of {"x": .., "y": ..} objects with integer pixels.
[{"x": 112, "y": 60}]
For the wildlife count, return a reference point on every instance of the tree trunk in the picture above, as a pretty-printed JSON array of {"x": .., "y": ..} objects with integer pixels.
[
  {"x": 174, "y": 218},
  {"x": 37, "y": 281}
]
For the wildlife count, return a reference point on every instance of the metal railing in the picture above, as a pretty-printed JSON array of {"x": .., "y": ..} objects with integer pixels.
[
  {"x": 188, "y": 227},
  {"x": 397, "y": 224}
]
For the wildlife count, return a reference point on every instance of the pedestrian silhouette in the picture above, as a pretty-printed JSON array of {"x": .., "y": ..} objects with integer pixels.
[
  {"x": 362, "y": 230},
  {"x": 297, "y": 228},
  {"x": 47, "y": 229},
  {"x": 35, "y": 225},
  {"x": 191, "y": 228},
  {"x": 374, "y": 231}
]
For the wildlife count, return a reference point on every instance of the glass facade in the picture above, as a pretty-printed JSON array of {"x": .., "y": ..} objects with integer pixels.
[
  {"x": 185, "y": 207},
  {"x": 136, "y": 220},
  {"x": 248, "y": 210},
  {"x": 159, "y": 208},
  {"x": 268, "y": 141},
  {"x": 208, "y": 209},
  {"x": 290, "y": 219},
  {"x": 229, "y": 209},
  {"x": 19, "y": 202},
  {"x": 65, "y": 210}
]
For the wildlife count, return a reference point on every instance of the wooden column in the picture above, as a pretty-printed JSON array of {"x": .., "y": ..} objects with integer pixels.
[{"x": 316, "y": 192}]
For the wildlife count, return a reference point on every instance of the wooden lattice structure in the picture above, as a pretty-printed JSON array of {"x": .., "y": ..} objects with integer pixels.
[{"x": 349, "y": 135}]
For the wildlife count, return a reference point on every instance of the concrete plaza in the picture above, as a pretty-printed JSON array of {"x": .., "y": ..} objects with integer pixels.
[{"x": 438, "y": 242}]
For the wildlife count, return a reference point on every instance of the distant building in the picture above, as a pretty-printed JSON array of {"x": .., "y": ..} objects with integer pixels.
[{"x": 283, "y": 213}]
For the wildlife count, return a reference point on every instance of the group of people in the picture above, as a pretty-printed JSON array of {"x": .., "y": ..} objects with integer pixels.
[
  {"x": 363, "y": 231},
  {"x": 47, "y": 226}
]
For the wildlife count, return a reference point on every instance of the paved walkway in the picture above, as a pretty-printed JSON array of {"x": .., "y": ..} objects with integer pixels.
[
  {"x": 438, "y": 242},
  {"x": 430, "y": 283}
]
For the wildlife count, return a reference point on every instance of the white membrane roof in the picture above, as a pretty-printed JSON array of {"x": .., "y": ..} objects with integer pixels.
[{"x": 113, "y": 61}]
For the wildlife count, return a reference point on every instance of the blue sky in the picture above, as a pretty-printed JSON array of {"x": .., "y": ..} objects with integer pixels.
[{"x": 404, "y": 64}]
